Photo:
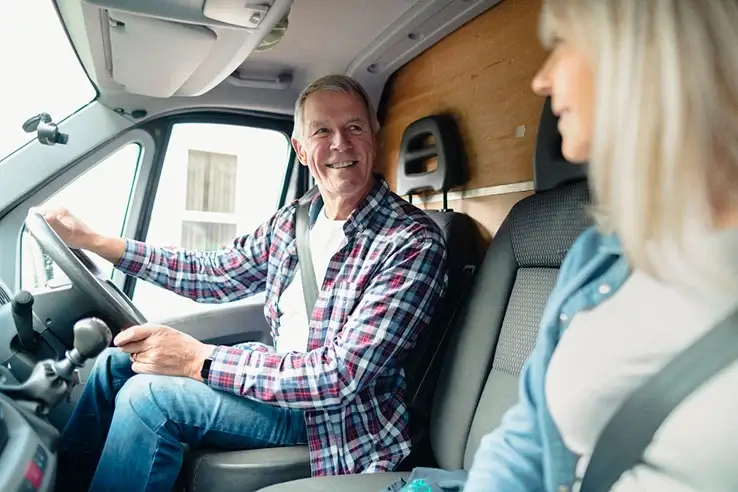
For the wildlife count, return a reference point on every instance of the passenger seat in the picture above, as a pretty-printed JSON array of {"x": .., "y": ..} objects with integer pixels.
[{"x": 498, "y": 326}]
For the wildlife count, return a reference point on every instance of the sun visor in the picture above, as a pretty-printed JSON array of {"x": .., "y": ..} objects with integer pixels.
[
  {"x": 155, "y": 57},
  {"x": 165, "y": 48}
]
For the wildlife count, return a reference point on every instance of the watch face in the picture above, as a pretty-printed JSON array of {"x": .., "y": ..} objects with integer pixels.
[{"x": 205, "y": 371}]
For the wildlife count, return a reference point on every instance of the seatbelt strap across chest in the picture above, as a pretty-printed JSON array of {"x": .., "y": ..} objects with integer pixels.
[{"x": 304, "y": 256}]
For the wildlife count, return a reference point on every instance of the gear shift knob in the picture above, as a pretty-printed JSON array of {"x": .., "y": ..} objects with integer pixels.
[{"x": 91, "y": 336}]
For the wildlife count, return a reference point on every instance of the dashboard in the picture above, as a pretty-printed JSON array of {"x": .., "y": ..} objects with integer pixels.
[
  {"x": 46, "y": 319},
  {"x": 27, "y": 462},
  {"x": 27, "y": 440}
]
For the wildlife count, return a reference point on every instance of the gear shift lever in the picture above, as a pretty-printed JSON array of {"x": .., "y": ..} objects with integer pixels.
[
  {"x": 50, "y": 380},
  {"x": 91, "y": 336}
]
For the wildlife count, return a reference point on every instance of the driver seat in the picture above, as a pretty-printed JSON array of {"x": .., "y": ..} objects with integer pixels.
[{"x": 249, "y": 470}]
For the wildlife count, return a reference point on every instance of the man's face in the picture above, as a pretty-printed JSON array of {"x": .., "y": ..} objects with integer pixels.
[{"x": 337, "y": 144}]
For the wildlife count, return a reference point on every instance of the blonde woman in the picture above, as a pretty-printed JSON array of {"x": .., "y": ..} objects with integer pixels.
[{"x": 647, "y": 92}]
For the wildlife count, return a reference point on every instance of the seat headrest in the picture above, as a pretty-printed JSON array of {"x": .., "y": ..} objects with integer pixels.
[
  {"x": 435, "y": 136},
  {"x": 550, "y": 168}
]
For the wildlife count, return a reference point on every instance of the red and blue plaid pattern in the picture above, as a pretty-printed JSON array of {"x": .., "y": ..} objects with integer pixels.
[{"x": 378, "y": 295}]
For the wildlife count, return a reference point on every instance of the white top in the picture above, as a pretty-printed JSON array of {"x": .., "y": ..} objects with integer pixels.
[
  {"x": 608, "y": 352},
  {"x": 326, "y": 238}
]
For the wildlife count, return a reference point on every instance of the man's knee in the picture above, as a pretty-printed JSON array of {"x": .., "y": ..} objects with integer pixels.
[
  {"x": 111, "y": 361},
  {"x": 153, "y": 398}
]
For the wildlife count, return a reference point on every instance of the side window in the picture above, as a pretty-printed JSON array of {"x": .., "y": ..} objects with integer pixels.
[
  {"x": 100, "y": 198},
  {"x": 218, "y": 181}
]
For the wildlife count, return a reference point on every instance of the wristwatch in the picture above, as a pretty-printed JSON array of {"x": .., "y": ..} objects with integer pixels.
[{"x": 205, "y": 370}]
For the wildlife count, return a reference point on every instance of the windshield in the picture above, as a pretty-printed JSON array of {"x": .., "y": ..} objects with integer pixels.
[{"x": 40, "y": 71}]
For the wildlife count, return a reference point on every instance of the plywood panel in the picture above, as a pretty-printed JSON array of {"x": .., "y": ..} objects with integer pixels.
[
  {"x": 488, "y": 211},
  {"x": 481, "y": 74}
]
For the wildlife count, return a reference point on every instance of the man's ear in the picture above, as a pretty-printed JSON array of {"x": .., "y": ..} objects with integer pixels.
[{"x": 300, "y": 150}]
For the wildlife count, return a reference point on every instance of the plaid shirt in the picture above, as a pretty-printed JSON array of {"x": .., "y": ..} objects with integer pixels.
[{"x": 378, "y": 295}]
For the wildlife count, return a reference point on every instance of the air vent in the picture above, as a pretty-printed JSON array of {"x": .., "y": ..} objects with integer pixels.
[{"x": 4, "y": 294}]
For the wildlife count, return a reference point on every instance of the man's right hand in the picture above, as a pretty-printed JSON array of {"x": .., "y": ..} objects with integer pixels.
[{"x": 78, "y": 235}]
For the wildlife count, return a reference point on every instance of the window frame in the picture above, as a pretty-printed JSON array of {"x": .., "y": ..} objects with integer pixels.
[
  {"x": 161, "y": 129},
  {"x": 15, "y": 218},
  {"x": 79, "y": 173}
]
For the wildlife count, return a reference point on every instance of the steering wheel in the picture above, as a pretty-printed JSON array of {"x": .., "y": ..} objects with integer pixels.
[{"x": 84, "y": 274}]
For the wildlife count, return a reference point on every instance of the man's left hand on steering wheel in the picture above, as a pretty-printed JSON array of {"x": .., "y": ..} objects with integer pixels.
[{"x": 84, "y": 274}]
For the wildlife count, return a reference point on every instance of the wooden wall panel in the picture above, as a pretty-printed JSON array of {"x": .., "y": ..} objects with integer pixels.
[{"x": 481, "y": 74}]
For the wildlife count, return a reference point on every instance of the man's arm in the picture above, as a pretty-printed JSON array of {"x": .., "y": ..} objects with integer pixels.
[
  {"x": 396, "y": 305},
  {"x": 214, "y": 276}
]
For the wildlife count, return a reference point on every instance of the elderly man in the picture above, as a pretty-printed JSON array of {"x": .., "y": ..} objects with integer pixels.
[{"x": 333, "y": 380}]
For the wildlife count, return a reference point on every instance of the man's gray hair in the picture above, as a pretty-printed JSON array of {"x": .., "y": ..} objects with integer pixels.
[{"x": 335, "y": 83}]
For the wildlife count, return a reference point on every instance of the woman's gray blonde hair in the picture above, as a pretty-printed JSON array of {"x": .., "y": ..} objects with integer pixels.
[
  {"x": 335, "y": 83},
  {"x": 664, "y": 154}
]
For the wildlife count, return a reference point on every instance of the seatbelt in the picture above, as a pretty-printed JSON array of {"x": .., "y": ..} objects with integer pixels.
[
  {"x": 627, "y": 435},
  {"x": 304, "y": 257}
]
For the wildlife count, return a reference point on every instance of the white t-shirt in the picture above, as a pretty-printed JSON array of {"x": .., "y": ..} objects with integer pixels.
[
  {"x": 326, "y": 238},
  {"x": 608, "y": 352}
]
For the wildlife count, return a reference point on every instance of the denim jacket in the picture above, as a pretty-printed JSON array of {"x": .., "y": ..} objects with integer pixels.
[{"x": 526, "y": 452}]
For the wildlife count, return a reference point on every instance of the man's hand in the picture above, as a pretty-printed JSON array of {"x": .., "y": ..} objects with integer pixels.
[
  {"x": 78, "y": 235},
  {"x": 75, "y": 233},
  {"x": 157, "y": 349}
]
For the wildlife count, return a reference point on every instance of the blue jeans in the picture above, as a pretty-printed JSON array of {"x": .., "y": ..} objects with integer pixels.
[{"x": 127, "y": 430}]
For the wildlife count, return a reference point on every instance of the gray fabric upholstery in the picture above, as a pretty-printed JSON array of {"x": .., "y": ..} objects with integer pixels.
[
  {"x": 499, "y": 393},
  {"x": 520, "y": 326},
  {"x": 464, "y": 254},
  {"x": 545, "y": 225},
  {"x": 346, "y": 483},
  {"x": 542, "y": 229},
  {"x": 500, "y": 322},
  {"x": 464, "y": 250},
  {"x": 469, "y": 357}
]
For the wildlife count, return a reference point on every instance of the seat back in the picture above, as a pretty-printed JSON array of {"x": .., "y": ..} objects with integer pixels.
[
  {"x": 498, "y": 324},
  {"x": 463, "y": 246},
  {"x": 463, "y": 243},
  {"x": 537, "y": 236}
]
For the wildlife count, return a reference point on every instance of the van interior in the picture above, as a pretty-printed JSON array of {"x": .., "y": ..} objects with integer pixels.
[{"x": 170, "y": 122}]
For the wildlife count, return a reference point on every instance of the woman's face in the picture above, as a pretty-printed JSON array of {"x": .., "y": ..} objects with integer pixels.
[{"x": 567, "y": 77}]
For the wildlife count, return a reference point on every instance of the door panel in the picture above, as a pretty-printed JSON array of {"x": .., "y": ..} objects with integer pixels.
[{"x": 229, "y": 324}]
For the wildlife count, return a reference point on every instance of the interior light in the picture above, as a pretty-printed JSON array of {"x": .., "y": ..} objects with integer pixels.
[{"x": 275, "y": 36}]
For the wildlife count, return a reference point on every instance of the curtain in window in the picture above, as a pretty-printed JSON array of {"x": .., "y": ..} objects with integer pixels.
[{"x": 211, "y": 182}]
